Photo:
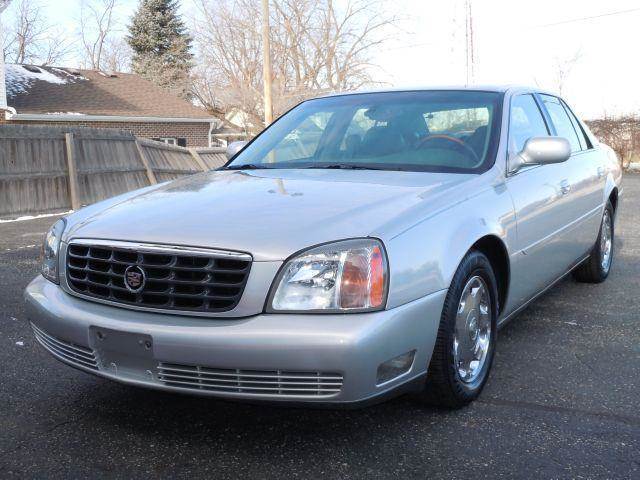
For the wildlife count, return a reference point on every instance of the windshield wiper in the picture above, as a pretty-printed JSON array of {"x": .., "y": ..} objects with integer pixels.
[
  {"x": 349, "y": 166},
  {"x": 246, "y": 166}
]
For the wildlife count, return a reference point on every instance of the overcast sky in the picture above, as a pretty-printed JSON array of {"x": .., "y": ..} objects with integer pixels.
[
  {"x": 517, "y": 41},
  {"x": 522, "y": 41}
]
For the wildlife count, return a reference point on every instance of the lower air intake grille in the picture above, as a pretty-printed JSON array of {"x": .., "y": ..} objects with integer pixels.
[
  {"x": 256, "y": 382},
  {"x": 70, "y": 352}
]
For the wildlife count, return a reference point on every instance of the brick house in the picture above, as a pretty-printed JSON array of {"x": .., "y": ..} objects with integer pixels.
[{"x": 87, "y": 98}]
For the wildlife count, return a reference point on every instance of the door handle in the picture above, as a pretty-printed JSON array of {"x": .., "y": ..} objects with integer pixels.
[
  {"x": 601, "y": 172},
  {"x": 565, "y": 187}
]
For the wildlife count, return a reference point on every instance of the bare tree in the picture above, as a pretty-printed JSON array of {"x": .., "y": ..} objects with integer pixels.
[
  {"x": 316, "y": 47},
  {"x": 622, "y": 134},
  {"x": 563, "y": 67},
  {"x": 32, "y": 39},
  {"x": 97, "y": 23},
  {"x": 116, "y": 55}
]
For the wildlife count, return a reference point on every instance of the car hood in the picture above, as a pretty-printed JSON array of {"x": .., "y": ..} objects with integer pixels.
[{"x": 268, "y": 213}]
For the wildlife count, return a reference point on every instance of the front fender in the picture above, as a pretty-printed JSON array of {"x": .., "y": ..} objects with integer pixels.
[{"x": 424, "y": 259}]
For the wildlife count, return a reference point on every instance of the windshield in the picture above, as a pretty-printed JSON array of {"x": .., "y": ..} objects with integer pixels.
[{"x": 440, "y": 131}]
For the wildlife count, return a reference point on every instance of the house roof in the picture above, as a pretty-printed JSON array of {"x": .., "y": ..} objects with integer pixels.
[{"x": 69, "y": 92}]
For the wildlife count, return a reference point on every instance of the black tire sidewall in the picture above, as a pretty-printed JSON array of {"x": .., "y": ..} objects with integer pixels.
[
  {"x": 596, "y": 249},
  {"x": 475, "y": 263}
]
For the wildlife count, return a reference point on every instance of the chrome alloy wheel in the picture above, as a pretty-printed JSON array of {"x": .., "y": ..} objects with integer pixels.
[
  {"x": 606, "y": 241},
  {"x": 472, "y": 336}
]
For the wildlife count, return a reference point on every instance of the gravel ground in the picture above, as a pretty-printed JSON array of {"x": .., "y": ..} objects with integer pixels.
[{"x": 562, "y": 401}]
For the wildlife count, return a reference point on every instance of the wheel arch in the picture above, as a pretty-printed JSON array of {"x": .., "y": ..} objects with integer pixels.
[
  {"x": 495, "y": 250},
  {"x": 613, "y": 198}
]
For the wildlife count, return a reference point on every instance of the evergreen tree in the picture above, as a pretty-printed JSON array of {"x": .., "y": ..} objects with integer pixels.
[{"x": 161, "y": 45}]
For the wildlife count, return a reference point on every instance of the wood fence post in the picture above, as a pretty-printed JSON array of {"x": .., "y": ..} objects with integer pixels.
[
  {"x": 73, "y": 172},
  {"x": 145, "y": 161},
  {"x": 196, "y": 156}
]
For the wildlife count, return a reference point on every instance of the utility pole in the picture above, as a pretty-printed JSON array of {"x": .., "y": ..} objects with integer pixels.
[
  {"x": 470, "y": 47},
  {"x": 3, "y": 93},
  {"x": 266, "y": 65}
]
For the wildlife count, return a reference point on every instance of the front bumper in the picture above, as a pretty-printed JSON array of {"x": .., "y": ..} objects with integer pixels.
[{"x": 350, "y": 345}]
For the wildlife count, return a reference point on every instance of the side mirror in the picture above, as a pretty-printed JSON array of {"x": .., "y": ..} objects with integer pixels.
[
  {"x": 234, "y": 147},
  {"x": 541, "y": 151}
]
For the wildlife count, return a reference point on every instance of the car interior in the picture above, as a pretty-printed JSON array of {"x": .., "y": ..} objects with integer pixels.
[{"x": 395, "y": 135}]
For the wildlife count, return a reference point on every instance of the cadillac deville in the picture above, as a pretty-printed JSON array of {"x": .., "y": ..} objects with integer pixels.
[{"x": 364, "y": 245}]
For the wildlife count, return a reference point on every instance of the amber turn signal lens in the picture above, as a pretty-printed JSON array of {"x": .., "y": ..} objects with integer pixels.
[
  {"x": 362, "y": 284},
  {"x": 376, "y": 291},
  {"x": 353, "y": 288}
]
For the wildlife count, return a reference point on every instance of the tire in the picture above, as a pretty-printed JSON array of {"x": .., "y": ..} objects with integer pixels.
[
  {"x": 445, "y": 385},
  {"x": 596, "y": 268}
]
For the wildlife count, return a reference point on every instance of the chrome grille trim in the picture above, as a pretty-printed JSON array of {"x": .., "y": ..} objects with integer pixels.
[
  {"x": 159, "y": 248},
  {"x": 70, "y": 352},
  {"x": 257, "y": 382},
  {"x": 178, "y": 279}
]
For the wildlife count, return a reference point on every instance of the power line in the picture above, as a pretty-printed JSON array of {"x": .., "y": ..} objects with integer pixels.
[
  {"x": 412, "y": 45},
  {"x": 582, "y": 19}
]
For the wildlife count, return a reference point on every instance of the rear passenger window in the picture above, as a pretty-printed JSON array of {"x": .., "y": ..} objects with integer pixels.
[
  {"x": 562, "y": 122},
  {"x": 584, "y": 141},
  {"x": 526, "y": 122}
]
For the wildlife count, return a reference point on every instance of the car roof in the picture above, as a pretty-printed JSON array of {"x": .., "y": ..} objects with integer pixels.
[{"x": 471, "y": 88}]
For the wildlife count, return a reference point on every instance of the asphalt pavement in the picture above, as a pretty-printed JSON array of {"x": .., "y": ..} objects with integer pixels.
[{"x": 562, "y": 401}]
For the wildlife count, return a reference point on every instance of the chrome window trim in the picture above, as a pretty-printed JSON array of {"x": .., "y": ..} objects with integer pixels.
[{"x": 507, "y": 117}]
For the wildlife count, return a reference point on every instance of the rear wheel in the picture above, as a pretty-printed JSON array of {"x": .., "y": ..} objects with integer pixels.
[
  {"x": 465, "y": 345},
  {"x": 596, "y": 268}
]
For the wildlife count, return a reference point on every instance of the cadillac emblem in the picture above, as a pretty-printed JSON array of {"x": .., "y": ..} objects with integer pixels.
[{"x": 134, "y": 278}]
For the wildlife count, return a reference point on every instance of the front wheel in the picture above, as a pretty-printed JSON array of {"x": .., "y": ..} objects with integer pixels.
[
  {"x": 465, "y": 345},
  {"x": 596, "y": 268}
]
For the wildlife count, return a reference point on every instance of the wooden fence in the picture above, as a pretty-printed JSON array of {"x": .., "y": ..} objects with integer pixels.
[{"x": 49, "y": 169}]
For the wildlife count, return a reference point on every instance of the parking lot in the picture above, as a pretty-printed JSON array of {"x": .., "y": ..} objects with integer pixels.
[{"x": 562, "y": 401}]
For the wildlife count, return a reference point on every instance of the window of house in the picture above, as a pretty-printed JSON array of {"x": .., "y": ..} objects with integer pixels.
[{"x": 180, "y": 141}]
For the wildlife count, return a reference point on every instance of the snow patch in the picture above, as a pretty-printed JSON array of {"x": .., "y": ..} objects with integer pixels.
[
  {"x": 65, "y": 113},
  {"x": 32, "y": 217},
  {"x": 74, "y": 76},
  {"x": 19, "y": 80}
]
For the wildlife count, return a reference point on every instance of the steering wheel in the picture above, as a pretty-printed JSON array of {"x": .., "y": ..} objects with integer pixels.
[{"x": 458, "y": 144}]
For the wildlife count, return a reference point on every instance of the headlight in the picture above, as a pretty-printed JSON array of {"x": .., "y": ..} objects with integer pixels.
[
  {"x": 346, "y": 276},
  {"x": 50, "y": 248}
]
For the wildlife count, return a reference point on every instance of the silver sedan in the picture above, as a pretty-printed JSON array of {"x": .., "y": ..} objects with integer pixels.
[{"x": 362, "y": 246}]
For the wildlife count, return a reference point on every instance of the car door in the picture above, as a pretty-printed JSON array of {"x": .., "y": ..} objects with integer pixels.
[
  {"x": 588, "y": 176},
  {"x": 542, "y": 207}
]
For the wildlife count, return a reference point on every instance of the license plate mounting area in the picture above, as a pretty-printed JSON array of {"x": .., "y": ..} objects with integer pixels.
[{"x": 124, "y": 354}]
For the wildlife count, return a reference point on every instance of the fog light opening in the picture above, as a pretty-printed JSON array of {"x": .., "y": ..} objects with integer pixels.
[{"x": 395, "y": 367}]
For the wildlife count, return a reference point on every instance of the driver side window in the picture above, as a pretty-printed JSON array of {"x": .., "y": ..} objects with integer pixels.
[{"x": 525, "y": 122}]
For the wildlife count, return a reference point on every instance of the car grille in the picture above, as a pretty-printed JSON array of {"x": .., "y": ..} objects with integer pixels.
[
  {"x": 72, "y": 353},
  {"x": 257, "y": 382},
  {"x": 176, "y": 278}
]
